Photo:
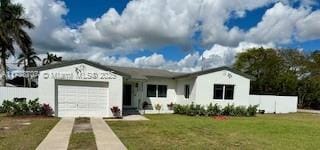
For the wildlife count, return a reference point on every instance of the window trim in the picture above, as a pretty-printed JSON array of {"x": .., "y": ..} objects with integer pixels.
[
  {"x": 214, "y": 91},
  {"x": 155, "y": 90},
  {"x": 187, "y": 92},
  {"x": 166, "y": 91},
  {"x": 223, "y": 92}
]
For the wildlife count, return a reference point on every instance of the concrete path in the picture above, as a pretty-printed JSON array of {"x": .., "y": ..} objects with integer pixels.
[
  {"x": 130, "y": 118},
  {"x": 105, "y": 138},
  {"x": 58, "y": 137},
  {"x": 309, "y": 111}
]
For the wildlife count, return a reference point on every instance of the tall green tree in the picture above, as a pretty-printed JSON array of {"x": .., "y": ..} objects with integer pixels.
[
  {"x": 262, "y": 63},
  {"x": 12, "y": 30},
  {"x": 51, "y": 58},
  {"x": 28, "y": 59}
]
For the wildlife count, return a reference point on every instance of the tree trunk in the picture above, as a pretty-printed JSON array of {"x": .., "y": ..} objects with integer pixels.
[{"x": 3, "y": 69}]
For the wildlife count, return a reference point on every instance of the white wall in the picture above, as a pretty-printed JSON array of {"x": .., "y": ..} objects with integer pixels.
[
  {"x": 47, "y": 85},
  {"x": 278, "y": 104},
  {"x": 8, "y": 93},
  {"x": 205, "y": 83},
  {"x": 163, "y": 101},
  {"x": 180, "y": 99}
]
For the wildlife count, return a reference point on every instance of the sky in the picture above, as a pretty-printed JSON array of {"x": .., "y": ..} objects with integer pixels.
[{"x": 178, "y": 35}]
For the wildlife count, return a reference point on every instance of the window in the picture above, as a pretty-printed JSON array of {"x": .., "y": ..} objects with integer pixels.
[
  {"x": 151, "y": 90},
  {"x": 228, "y": 94},
  {"x": 162, "y": 91},
  {"x": 218, "y": 91},
  {"x": 186, "y": 91}
]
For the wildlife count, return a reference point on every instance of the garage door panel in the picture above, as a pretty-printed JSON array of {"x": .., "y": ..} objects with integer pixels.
[{"x": 82, "y": 101}]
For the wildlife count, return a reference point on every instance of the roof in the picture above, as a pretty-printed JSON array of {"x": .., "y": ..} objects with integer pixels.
[
  {"x": 194, "y": 74},
  {"x": 74, "y": 62},
  {"x": 138, "y": 73},
  {"x": 144, "y": 73}
]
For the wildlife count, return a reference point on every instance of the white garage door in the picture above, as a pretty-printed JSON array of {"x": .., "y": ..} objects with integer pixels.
[{"x": 82, "y": 100}]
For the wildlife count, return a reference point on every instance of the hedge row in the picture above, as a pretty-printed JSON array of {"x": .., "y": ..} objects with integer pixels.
[
  {"x": 215, "y": 110},
  {"x": 23, "y": 107}
]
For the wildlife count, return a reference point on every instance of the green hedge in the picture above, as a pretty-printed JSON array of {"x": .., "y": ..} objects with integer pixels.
[
  {"x": 24, "y": 107},
  {"x": 215, "y": 110}
]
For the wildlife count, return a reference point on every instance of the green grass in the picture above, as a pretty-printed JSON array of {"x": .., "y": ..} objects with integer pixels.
[
  {"x": 290, "y": 131},
  {"x": 82, "y": 137},
  {"x": 24, "y": 137},
  {"x": 82, "y": 141}
]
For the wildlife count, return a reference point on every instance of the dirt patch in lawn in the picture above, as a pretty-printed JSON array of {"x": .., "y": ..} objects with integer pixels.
[
  {"x": 24, "y": 132},
  {"x": 82, "y": 125}
]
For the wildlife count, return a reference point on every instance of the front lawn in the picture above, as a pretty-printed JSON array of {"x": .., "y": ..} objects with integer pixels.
[
  {"x": 290, "y": 131},
  {"x": 24, "y": 132}
]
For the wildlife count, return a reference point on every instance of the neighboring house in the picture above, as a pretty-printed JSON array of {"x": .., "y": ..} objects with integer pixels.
[{"x": 84, "y": 88}]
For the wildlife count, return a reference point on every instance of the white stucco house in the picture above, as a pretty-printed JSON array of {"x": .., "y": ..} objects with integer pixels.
[{"x": 84, "y": 88}]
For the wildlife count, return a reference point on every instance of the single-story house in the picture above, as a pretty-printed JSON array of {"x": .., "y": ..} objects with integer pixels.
[{"x": 84, "y": 88}]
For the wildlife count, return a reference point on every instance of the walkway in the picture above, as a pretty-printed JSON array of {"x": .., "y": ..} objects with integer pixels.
[
  {"x": 105, "y": 138},
  {"x": 309, "y": 111},
  {"x": 58, "y": 137}
]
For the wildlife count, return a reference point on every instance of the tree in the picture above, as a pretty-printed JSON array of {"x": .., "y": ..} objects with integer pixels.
[
  {"x": 12, "y": 30},
  {"x": 28, "y": 59},
  {"x": 51, "y": 58},
  {"x": 262, "y": 63},
  {"x": 283, "y": 72}
]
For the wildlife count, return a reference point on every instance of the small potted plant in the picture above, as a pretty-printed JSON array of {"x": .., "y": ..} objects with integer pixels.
[
  {"x": 116, "y": 111},
  {"x": 170, "y": 106},
  {"x": 145, "y": 105},
  {"x": 158, "y": 107}
]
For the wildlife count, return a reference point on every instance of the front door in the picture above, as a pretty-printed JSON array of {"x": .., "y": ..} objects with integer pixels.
[{"x": 127, "y": 94}]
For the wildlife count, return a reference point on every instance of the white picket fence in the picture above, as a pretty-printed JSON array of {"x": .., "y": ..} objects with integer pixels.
[
  {"x": 8, "y": 93},
  {"x": 277, "y": 104}
]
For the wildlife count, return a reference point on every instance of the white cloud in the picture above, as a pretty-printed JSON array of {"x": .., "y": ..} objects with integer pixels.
[
  {"x": 309, "y": 27},
  {"x": 277, "y": 25},
  {"x": 152, "y": 24}
]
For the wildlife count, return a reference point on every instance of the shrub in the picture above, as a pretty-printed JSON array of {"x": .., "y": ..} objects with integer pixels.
[
  {"x": 240, "y": 111},
  {"x": 252, "y": 110},
  {"x": 35, "y": 106},
  {"x": 1, "y": 110},
  {"x": 213, "y": 110},
  {"x": 20, "y": 106},
  {"x": 202, "y": 111},
  {"x": 46, "y": 110},
  {"x": 191, "y": 110},
  {"x": 228, "y": 110},
  {"x": 197, "y": 109},
  {"x": 180, "y": 109},
  {"x": 7, "y": 107}
]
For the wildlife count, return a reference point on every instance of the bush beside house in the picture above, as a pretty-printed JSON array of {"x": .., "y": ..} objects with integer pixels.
[
  {"x": 214, "y": 110},
  {"x": 23, "y": 107}
]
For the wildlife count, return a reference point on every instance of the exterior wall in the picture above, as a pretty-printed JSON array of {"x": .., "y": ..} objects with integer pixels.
[
  {"x": 205, "y": 83},
  {"x": 277, "y": 104},
  {"x": 163, "y": 101},
  {"x": 47, "y": 87},
  {"x": 9, "y": 93},
  {"x": 180, "y": 91}
]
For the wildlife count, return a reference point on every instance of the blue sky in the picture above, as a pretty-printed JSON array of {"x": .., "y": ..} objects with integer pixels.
[
  {"x": 82, "y": 9},
  {"x": 170, "y": 34}
]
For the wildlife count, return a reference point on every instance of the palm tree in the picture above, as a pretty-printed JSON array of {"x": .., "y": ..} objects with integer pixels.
[
  {"x": 28, "y": 59},
  {"x": 12, "y": 25},
  {"x": 51, "y": 58}
]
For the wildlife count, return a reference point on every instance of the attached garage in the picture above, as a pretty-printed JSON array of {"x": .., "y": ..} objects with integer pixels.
[
  {"x": 80, "y": 88},
  {"x": 82, "y": 99}
]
